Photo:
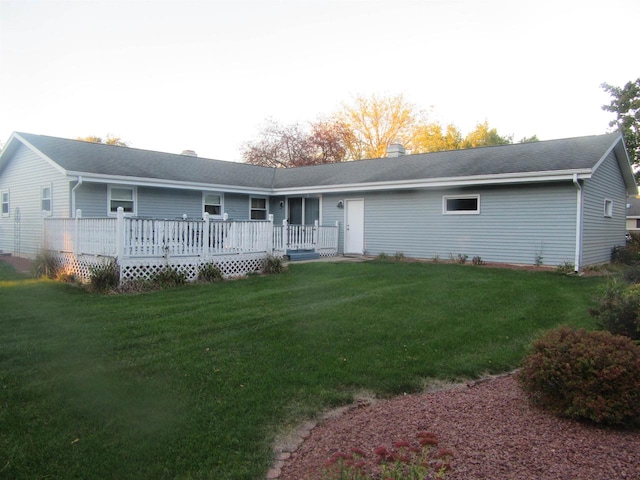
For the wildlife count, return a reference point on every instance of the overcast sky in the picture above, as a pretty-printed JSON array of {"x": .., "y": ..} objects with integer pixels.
[{"x": 204, "y": 75}]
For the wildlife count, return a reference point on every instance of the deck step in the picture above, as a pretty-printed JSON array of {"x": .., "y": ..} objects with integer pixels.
[{"x": 298, "y": 255}]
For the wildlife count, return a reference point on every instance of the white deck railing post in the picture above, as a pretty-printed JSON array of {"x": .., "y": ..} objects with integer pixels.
[
  {"x": 270, "y": 235},
  {"x": 285, "y": 235},
  {"x": 205, "y": 234},
  {"x": 120, "y": 234},
  {"x": 315, "y": 235},
  {"x": 76, "y": 236}
]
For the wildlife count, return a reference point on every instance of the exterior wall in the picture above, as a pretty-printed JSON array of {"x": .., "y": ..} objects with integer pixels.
[
  {"x": 237, "y": 206},
  {"x": 515, "y": 224},
  {"x": 91, "y": 198},
  {"x": 24, "y": 176},
  {"x": 279, "y": 213},
  {"x": 600, "y": 233},
  {"x": 332, "y": 214}
]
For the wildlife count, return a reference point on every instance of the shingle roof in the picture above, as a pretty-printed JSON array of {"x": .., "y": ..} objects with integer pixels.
[
  {"x": 553, "y": 155},
  {"x": 80, "y": 157},
  {"x": 99, "y": 159}
]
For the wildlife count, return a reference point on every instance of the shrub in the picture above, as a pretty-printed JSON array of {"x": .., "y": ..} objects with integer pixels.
[
  {"x": 382, "y": 257},
  {"x": 272, "y": 265},
  {"x": 169, "y": 277},
  {"x": 477, "y": 260},
  {"x": 618, "y": 309},
  {"x": 45, "y": 265},
  {"x": 399, "y": 257},
  {"x": 209, "y": 272},
  {"x": 105, "y": 277},
  {"x": 566, "y": 267},
  {"x": 584, "y": 375},
  {"x": 461, "y": 258},
  {"x": 632, "y": 274},
  {"x": 627, "y": 254}
]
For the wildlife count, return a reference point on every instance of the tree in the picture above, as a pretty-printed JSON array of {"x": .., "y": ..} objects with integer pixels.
[
  {"x": 110, "y": 140},
  {"x": 531, "y": 139},
  {"x": 376, "y": 122},
  {"x": 625, "y": 103},
  {"x": 430, "y": 138},
  {"x": 483, "y": 136},
  {"x": 285, "y": 146}
]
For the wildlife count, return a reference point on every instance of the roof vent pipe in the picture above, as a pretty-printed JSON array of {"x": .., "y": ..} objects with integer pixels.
[
  {"x": 395, "y": 150},
  {"x": 189, "y": 153}
]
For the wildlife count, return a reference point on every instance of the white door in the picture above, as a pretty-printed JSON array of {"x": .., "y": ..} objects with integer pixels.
[{"x": 354, "y": 226}]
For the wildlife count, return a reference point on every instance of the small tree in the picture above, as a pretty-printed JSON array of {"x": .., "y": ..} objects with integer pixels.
[{"x": 625, "y": 103}]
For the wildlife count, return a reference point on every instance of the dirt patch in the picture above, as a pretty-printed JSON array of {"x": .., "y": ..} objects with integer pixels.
[{"x": 22, "y": 265}]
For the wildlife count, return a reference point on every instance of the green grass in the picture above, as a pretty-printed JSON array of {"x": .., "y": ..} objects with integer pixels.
[{"x": 194, "y": 382}]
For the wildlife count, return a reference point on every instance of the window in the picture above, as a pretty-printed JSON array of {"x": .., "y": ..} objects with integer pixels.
[
  {"x": 5, "y": 203},
  {"x": 461, "y": 205},
  {"x": 45, "y": 200},
  {"x": 122, "y": 197},
  {"x": 213, "y": 204},
  {"x": 258, "y": 208},
  {"x": 608, "y": 208}
]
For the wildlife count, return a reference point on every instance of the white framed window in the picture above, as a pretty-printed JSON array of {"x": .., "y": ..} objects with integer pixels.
[
  {"x": 212, "y": 204},
  {"x": 45, "y": 200},
  {"x": 5, "y": 208},
  {"x": 608, "y": 208},
  {"x": 121, "y": 196},
  {"x": 258, "y": 208},
  {"x": 461, "y": 205}
]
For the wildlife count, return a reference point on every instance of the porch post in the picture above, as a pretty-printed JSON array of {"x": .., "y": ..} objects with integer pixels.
[
  {"x": 205, "y": 234},
  {"x": 315, "y": 235},
  {"x": 285, "y": 235},
  {"x": 120, "y": 234}
]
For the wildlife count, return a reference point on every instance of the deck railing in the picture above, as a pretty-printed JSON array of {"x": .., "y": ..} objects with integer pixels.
[{"x": 125, "y": 237}]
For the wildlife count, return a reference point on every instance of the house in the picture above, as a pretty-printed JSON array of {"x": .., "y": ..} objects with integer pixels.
[
  {"x": 551, "y": 202},
  {"x": 633, "y": 215}
]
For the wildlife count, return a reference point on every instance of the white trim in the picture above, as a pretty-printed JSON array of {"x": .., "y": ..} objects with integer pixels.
[
  {"x": 134, "y": 196},
  {"x": 445, "y": 211},
  {"x": 221, "y": 195},
  {"x": 579, "y": 210},
  {"x": 35, "y": 150}
]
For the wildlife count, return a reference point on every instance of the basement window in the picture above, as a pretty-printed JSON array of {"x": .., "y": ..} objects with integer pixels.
[
  {"x": 461, "y": 205},
  {"x": 608, "y": 208}
]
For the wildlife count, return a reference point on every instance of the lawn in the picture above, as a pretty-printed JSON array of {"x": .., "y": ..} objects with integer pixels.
[{"x": 194, "y": 382}]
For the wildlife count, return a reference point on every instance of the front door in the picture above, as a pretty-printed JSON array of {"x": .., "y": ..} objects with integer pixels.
[{"x": 354, "y": 226}]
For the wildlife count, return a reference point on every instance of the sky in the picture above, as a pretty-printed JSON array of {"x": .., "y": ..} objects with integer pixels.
[{"x": 206, "y": 75}]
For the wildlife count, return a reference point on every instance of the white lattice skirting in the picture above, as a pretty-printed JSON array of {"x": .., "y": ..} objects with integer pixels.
[{"x": 145, "y": 268}]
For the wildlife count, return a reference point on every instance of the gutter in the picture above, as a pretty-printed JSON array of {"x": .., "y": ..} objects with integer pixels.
[
  {"x": 73, "y": 196},
  {"x": 576, "y": 182}
]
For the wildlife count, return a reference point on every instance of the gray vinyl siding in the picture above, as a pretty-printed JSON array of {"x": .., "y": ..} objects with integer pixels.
[
  {"x": 279, "y": 213},
  {"x": 332, "y": 214},
  {"x": 169, "y": 203},
  {"x": 24, "y": 176},
  {"x": 237, "y": 206},
  {"x": 91, "y": 198},
  {"x": 600, "y": 233},
  {"x": 515, "y": 224}
]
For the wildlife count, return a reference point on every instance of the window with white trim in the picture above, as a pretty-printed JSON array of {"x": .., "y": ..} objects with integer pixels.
[
  {"x": 461, "y": 205},
  {"x": 608, "y": 208},
  {"x": 124, "y": 197},
  {"x": 4, "y": 196},
  {"x": 45, "y": 200},
  {"x": 258, "y": 208},
  {"x": 212, "y": 204}
]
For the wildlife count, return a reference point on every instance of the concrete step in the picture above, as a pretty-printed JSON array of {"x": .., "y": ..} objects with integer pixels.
[{"x": 298, "y": 255}]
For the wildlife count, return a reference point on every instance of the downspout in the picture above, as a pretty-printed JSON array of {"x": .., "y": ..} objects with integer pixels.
[
  {"x": 576, "y": 182},
  {"x": 73, "y": 197}
]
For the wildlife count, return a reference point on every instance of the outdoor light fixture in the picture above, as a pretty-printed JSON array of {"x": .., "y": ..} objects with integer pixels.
[
  {"x": 281, "y": 203},
  {"x": 340, "y": 204}
]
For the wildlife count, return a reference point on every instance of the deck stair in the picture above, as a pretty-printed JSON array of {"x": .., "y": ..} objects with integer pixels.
[{"x": 299, "y": 255}]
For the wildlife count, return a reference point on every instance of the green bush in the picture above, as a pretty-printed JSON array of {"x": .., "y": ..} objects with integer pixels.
[
  {"x": 583, "y": 375},
  {"x": 632, "y": 274},
  {"x": 209, "y": 272},
  {"x": 626, "y": 255},
  {"x": 272, "y": 265},
  {"x": 169, "y": 277},
  {"x": 618, "y": 309},
  {"x": 105, "y": 277}
]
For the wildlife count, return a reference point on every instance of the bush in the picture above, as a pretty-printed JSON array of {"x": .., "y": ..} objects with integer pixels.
[
  {"x": 169, "y": 277},
  {"x": 45, "y": 265},
  {"x": 632, "y": 274},
  {"x": 105, "y": 277},
  {"x": 626, "y": 255},
  {"x": 584, "y": 375},
  {"x": 209, "y": 272},
  {"x": 618, "y": 310},
  {"x": 272, "y": 265}
]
